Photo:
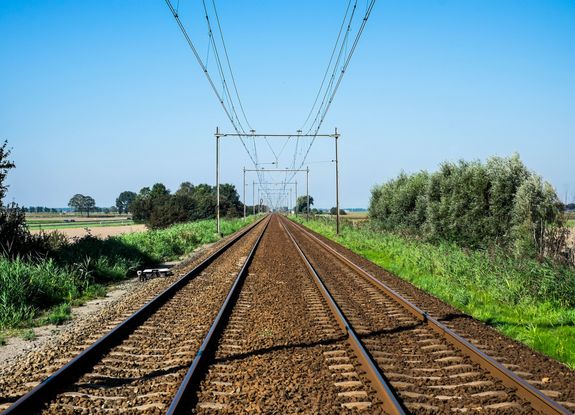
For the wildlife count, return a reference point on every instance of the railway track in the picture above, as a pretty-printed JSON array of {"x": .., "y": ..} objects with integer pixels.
[
  {"x": 430, "y": 368},
  {"x": 137, "y": 367},
  {"x": 280, "y": 321}
]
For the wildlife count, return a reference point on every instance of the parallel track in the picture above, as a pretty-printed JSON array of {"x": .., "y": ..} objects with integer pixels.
[
  {"x": 536, "y": 399},
  {"x": 121, "y": 338}
]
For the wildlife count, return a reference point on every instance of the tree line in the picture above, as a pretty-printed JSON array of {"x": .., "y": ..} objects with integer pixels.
[
  {"x": 157, "y": 207},
  {"x": 477, "y": 205}
]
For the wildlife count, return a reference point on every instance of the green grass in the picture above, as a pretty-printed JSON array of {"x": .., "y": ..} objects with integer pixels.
[
  {"x": 35, "y": 291},
  {"x": 529, "y": 301},
  {"x": 571, "y": 223},
  {"x": 175, "y": 241},
  {"x": 57, "y": 315},
  {"x": 29, "y": 335}
]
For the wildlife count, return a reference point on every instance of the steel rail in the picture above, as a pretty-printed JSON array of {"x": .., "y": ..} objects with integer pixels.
[
  {"x": 180, "y": 403},
  {"x": 381, "y": 386},
  {"x": 34, "y": 400},
  {"x": 534, "y": 396}
]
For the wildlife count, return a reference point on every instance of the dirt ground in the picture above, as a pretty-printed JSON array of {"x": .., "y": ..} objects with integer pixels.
[{"x": 100, "y": 231}]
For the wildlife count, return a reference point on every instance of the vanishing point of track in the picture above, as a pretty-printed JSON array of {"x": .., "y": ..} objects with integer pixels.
[{"x": 278, "y": 320}]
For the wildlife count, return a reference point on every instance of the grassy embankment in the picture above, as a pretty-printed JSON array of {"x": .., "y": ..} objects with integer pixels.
[
  {"x": 529, "y": 301},
  {"x": 42, "y": 291}
]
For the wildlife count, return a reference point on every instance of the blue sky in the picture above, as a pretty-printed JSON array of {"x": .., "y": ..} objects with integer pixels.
[{"x": 98, "y": 97}]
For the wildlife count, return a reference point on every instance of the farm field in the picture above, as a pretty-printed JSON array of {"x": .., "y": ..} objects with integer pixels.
[
  {"x": 493, "y": 290},
  {"x": 49, "y": 222},
  {"x": 356, "y": 215},
  {"x": 73, "y": 226},
  {"x": 97, "y": 230}
]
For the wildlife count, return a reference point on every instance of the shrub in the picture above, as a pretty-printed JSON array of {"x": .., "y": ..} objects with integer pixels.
[{"x": 499, "y": 203}]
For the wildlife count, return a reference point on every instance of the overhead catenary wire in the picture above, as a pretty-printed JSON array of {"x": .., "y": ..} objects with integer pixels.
[
  {"x": 229, "y": 96},
  {"x": 230, "y": 70},
  {"x": 230, "y": 65},
  {"x": 206, "y": 73},
  {"x": 328, "y": 65},
  {"x": 225, "y": 88},
  {"x": 342, "y": 73},
  {"x": 225, "y": 95}
]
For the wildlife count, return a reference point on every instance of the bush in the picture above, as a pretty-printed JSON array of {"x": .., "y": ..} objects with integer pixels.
[{"x": 499, "y": 203}]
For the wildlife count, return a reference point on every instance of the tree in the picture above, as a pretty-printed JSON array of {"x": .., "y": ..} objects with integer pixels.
[
  {"x": 124, "y": 201},
  {"x": 230, "y": 204},
  {"x": 333, "y": 211},
  {"x": 301, "y": 203},
  {"x": 77, "y": 202},
  {"x": 15, "y": 239},
  {"x": 82, "y": 203},
  {"x": 157, "y": 208},
  {"x": 476, "y": 205},
  {"x": 5, "y": 166},
  {"x": 536, "y": 211}
]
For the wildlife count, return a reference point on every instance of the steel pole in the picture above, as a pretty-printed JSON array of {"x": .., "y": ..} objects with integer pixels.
[
  {"x": 218, "y": 180},
  {"x": 254, "y": 198},
  {"x": 336, "y": 184},
  {"x": 307, "y": 190},
  {"x": 244, "y": 193},
  {"x": 295, "y": 198}
]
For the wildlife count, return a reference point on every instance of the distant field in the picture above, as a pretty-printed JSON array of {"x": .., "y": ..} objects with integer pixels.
[
  {"x": 58, "y": 215},
  {"x": 356, "y": 215},
  {"x": 98, "y": 231},
  {"x": 57, "y": 221}
]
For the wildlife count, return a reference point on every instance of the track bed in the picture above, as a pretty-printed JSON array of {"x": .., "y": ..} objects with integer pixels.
[{"x": 283, "y": 321}]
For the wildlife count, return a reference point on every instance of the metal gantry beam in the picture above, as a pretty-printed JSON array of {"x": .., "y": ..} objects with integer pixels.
[
  {"x": 283, "y": 192},
  {"x": 289, "y": 170},
  {"x": 278, "y": 135},
  {"x": 252, "y": 133}
]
